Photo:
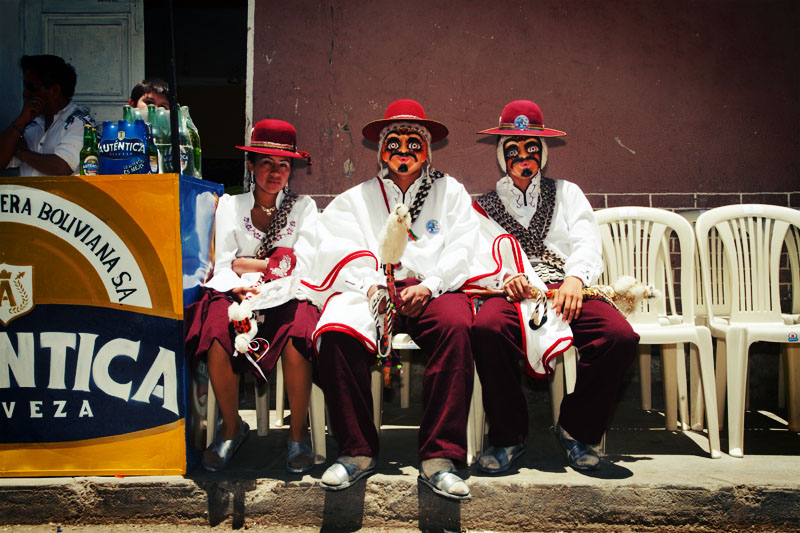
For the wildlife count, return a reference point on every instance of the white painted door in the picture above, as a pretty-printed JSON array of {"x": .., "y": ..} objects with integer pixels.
[{"x": 102, "y": 39}]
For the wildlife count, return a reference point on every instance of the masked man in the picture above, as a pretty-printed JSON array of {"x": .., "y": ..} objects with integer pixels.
[
  {"x": 436, "y": 253},
  {"x": 554, "y": 223}
]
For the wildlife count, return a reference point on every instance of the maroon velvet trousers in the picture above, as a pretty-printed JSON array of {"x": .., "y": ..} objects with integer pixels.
[
  {"x": 606, "y": 344},
  {"x": 442, "y": 331}
]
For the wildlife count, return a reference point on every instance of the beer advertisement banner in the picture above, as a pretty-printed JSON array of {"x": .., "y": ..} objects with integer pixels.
[{"x": 94, "y": 271}]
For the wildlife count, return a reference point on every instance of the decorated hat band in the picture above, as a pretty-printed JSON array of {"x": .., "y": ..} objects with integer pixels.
[
  {"x": 522, "y": 117},
  {"x": 277, "y": 146},
  {"x": 275, "y": 137}
]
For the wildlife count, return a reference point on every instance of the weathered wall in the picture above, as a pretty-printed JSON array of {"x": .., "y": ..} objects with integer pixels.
[{"x": 657, "y": 97}]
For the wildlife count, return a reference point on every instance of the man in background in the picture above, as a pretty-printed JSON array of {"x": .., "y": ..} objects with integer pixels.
[{"x": 47, "y": 136}]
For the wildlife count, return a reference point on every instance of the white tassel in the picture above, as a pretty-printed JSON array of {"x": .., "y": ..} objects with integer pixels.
[
  {"x": 394, "y": 236},
  {"x": 244, "y": 322}
]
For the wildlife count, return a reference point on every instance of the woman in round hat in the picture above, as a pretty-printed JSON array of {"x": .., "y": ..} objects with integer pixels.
[{"x": 264, "y": 244}]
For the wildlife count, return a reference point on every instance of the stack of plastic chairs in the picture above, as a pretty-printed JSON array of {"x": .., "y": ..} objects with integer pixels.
[
  {"x": 636, "y": 243},
  {"x": 753, "y": 238}
]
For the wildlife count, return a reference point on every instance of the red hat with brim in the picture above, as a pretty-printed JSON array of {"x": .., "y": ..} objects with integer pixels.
[
  {"x": 275, "y": 137},
  {"x": 522, "y": 117},
  {"x": 405, "y": 111}
]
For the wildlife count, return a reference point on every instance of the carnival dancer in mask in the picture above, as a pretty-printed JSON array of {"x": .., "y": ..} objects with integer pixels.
[
  {"x": 434, "y": 263},
  {"x": 554, "y": 223},
  {"x": 254, "y": 308}
]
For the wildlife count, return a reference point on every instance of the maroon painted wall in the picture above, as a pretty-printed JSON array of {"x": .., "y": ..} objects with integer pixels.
[{"x": 692, "y": 97}]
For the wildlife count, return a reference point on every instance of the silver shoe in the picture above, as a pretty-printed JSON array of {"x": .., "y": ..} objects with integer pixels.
[
  {"x": 295, "y": 454},
  {"x": 343, "y": 474},
  {"x": 220, "y": 452},
  {"x": 445, "y": 482},
  {"x": 500, "y": 459}
]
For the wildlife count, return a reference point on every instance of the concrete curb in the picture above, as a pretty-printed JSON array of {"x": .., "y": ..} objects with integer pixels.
[{"x": 397, "y": 501}]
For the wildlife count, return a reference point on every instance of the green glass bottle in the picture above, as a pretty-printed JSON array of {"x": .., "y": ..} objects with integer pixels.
[
  {"x": 163, "y": 141},
  {"x": 194, "y": 138},
  {"x": 152, "y": 150},
  {"x": 88, "y": 156},
  {"x": 187, "y": 151},
  {"x": 127, "y": 113}
]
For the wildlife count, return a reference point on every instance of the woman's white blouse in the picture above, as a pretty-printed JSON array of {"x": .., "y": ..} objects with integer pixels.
[{"x": 236, "y": 236}]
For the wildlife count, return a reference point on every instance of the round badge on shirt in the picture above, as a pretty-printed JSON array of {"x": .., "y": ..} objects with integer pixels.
[{"x": 432, "y": 226}]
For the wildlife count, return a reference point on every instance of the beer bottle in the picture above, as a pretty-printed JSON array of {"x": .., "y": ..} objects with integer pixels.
[
  {"x": 187, "y": 152},
  {"x": 127, "y": 113},
  {"x": 152, "y": 151},
  {"x": 163, "y": 141},
  {"x": 194, "y": 138},
  {"x": 88, "y": 156}
]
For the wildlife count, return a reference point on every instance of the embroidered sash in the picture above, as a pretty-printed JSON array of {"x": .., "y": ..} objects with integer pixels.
[
  {"x": 551, "y": 267},
  {"x": 422, "y": 193},
  {"x": 277, "y": 224}
]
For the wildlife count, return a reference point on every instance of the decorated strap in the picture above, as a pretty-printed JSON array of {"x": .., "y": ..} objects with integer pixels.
[
  {"x": 422, "y": 193},
  {"x": 277, "y": 224},
  {"x": 532, "y": 241}
]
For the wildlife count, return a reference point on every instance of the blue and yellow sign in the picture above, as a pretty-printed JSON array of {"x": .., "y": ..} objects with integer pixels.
[{"x": 94, "y": 273}]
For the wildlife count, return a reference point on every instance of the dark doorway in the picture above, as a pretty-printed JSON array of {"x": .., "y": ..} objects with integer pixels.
[{"x": 210, "y": 64}]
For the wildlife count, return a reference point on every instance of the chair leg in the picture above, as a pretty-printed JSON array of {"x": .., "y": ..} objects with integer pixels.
[
  {"x": 563, "y": 381},
  {"x": 211, "y": 415},
  {"x": 747, "y": 389},
  {"x": 705, "y": 361},
  {"x": 377, "y": 396},
  {"x": 643, "y": 351},
  {"x": 475, "y": 421},
  {"x": 557, "y": 389},
  {"x": 737, "y": 385},
  {"x": 669, "y": 364},
  {"x": 791, "y": 353},
  {"x": 405, "y": 378},
  {"x": 197, "y": 408},
  {"x": 316, "y": 415},
  {"x": 570, "y": 369},
  {"x": 279, "y": 395},
  {"x": 683, "y": 392},
  {"x": 696, "y": 400},
  {"x": 262, "y": 408},
  {"x": 782, "y": 380},
  {"x": 601, "y": 446},
  {"x": 721, "y": 373}
]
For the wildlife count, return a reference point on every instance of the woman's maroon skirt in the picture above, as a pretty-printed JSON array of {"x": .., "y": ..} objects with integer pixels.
[{"x": 207, "y": 321}]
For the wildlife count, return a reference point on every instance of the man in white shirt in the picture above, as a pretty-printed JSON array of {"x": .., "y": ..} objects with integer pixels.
[
  {"x": 436, "y": 256},
  {"x": 554, "y": 223},
  {"x": 47, "y": 136}
]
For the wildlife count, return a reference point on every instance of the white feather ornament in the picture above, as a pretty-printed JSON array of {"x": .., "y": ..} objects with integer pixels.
[{"x": 394, "y": 236}]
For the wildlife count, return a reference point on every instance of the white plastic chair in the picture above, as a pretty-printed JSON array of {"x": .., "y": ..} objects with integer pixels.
[
  {"x": 753, "y": 238},
  {"x": 636, "y": 243},
  {"x": 793, "y": 252}
]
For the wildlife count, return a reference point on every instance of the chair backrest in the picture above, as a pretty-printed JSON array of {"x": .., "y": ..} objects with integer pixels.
[
  {"x": 752, "y": 238},
  {"x": 719, "y": 283},
  {"x": 793, "y": 250},
  {"x": 637, "y": 242}
]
